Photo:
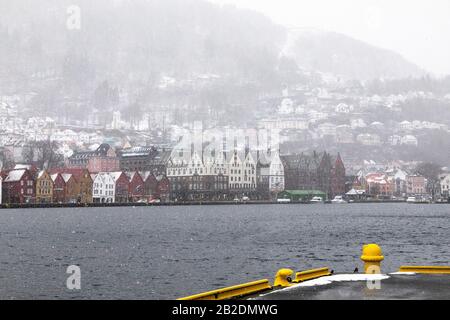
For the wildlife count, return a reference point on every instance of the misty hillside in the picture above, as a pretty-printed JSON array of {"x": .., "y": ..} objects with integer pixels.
[
  {"x": 144, "y": 39},
  {"x": 135, "y": 39},
  {"x": 341, "y": 55}
]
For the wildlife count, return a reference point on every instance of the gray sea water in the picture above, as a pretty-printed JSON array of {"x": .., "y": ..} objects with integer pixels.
[{"x": 170, "y": 252}]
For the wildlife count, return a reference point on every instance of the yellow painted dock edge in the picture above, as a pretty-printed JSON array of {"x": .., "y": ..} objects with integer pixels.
[
  {"x": 233, "y": 292},
  {"x": 311, "y": 274},
  {"x": 426, "y": 269}
]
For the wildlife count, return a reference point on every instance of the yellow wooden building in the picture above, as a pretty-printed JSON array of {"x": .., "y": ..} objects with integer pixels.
[{"x": 44, "y": 187}]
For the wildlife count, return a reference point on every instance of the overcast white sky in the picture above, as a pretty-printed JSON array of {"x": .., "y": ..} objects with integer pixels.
[{"x": 417, "y": 29}]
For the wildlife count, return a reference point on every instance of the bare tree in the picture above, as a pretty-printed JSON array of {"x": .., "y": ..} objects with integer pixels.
[
  {"x": 5, "y": 160},
  {"x": 28, "y": 154},
  {"x": 431, "y": 172},
  {"x": 43, "y": 154}
]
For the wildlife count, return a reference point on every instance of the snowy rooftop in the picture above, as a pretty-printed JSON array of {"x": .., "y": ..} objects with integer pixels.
[
  {"x": 66, "y": 176},
  {"x": 15, "y": 175},
  {"x": 395, "y": 286},
  {"x": 116, "y": 175},
  {"x": 41, "y": 173}
]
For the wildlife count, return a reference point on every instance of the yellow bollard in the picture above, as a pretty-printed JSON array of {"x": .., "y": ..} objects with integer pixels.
[
  {"x": 283, "y": 278},
  {"x": 372, "y": 257}
]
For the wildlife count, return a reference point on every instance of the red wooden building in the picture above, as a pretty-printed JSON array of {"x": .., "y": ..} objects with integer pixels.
[
  {"x": 19, "y": 187},
  {"x": 122, "y": 185},
  {"x": 136, "y": 188},
  {"x": 337, "y": 176},
  {"x": 82, "y": 188},
  {"x": 163, "y": 188},
  {"x": 59, "y": 188},
  {"x": 150, "y": 184}
]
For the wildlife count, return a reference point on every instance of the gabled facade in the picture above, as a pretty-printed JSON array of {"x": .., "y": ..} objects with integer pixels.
[
  {"x": 249, "y": 170},
  {"x": 318, "y": 171},
  {"x": 136, "y": 189},
  {"x": 71, "y": 188},
  {"x": 242, "y": 176},
  {"x": 44, "y": 187},
  {"x": 150, "y": 184},
  {"x": 236, "y": 171},
  {"x": 59, "y": 188},
  {"x": 80, "y": 189},
  {"x": 337, "y": 177},
  {"x": 302, "y": 172},
  {"x": 291, "y": 171},
  {"x": 198, "y": 178},
  {"x": 18, "y": 187},
  {"x": 162, "y": 188},
  {"x": 104, "y": 188},
  {"x": 215, "y": 178},
  {"x": 122, "y": 184},
  {"x": 270, "y": 176},
  {"x": 276, "y": 174}
]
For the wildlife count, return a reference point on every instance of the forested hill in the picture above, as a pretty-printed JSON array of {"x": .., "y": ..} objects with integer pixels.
[{"x": 136, "y": 39}]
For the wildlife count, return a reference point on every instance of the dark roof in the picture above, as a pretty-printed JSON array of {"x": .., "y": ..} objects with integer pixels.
[
  {"x": 151, "y": 153},
  {"x": 101, "y": 151},
  {"x": 311, "y": 161},
  {"x": 138, "y": 152}
]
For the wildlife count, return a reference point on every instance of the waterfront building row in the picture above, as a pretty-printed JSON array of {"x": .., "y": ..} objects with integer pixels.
[
  {"x": 27, "y": 184},
  {"x": 142, "y": 174},
  {"x": 392, "y": 183}
]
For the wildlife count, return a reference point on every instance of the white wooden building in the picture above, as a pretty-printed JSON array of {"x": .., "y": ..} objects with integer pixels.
[
  {"x": 242, "y": 173},
  {"x": 103, "y": 188}
]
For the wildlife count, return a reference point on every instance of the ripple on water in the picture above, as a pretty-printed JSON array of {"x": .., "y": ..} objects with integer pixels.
[{"x": 142, "y": 254}]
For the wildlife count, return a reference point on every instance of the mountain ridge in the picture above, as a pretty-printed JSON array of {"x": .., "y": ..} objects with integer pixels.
[
  {"x": 147, "y": 39},
  {"x": 381, "y": 62}
]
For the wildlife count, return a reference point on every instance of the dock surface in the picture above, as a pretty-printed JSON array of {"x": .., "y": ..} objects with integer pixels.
[{"x": 392, "y": 287}]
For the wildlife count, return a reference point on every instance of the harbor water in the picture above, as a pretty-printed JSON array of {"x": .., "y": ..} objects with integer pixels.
[{"x": 170, "y": 252}]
